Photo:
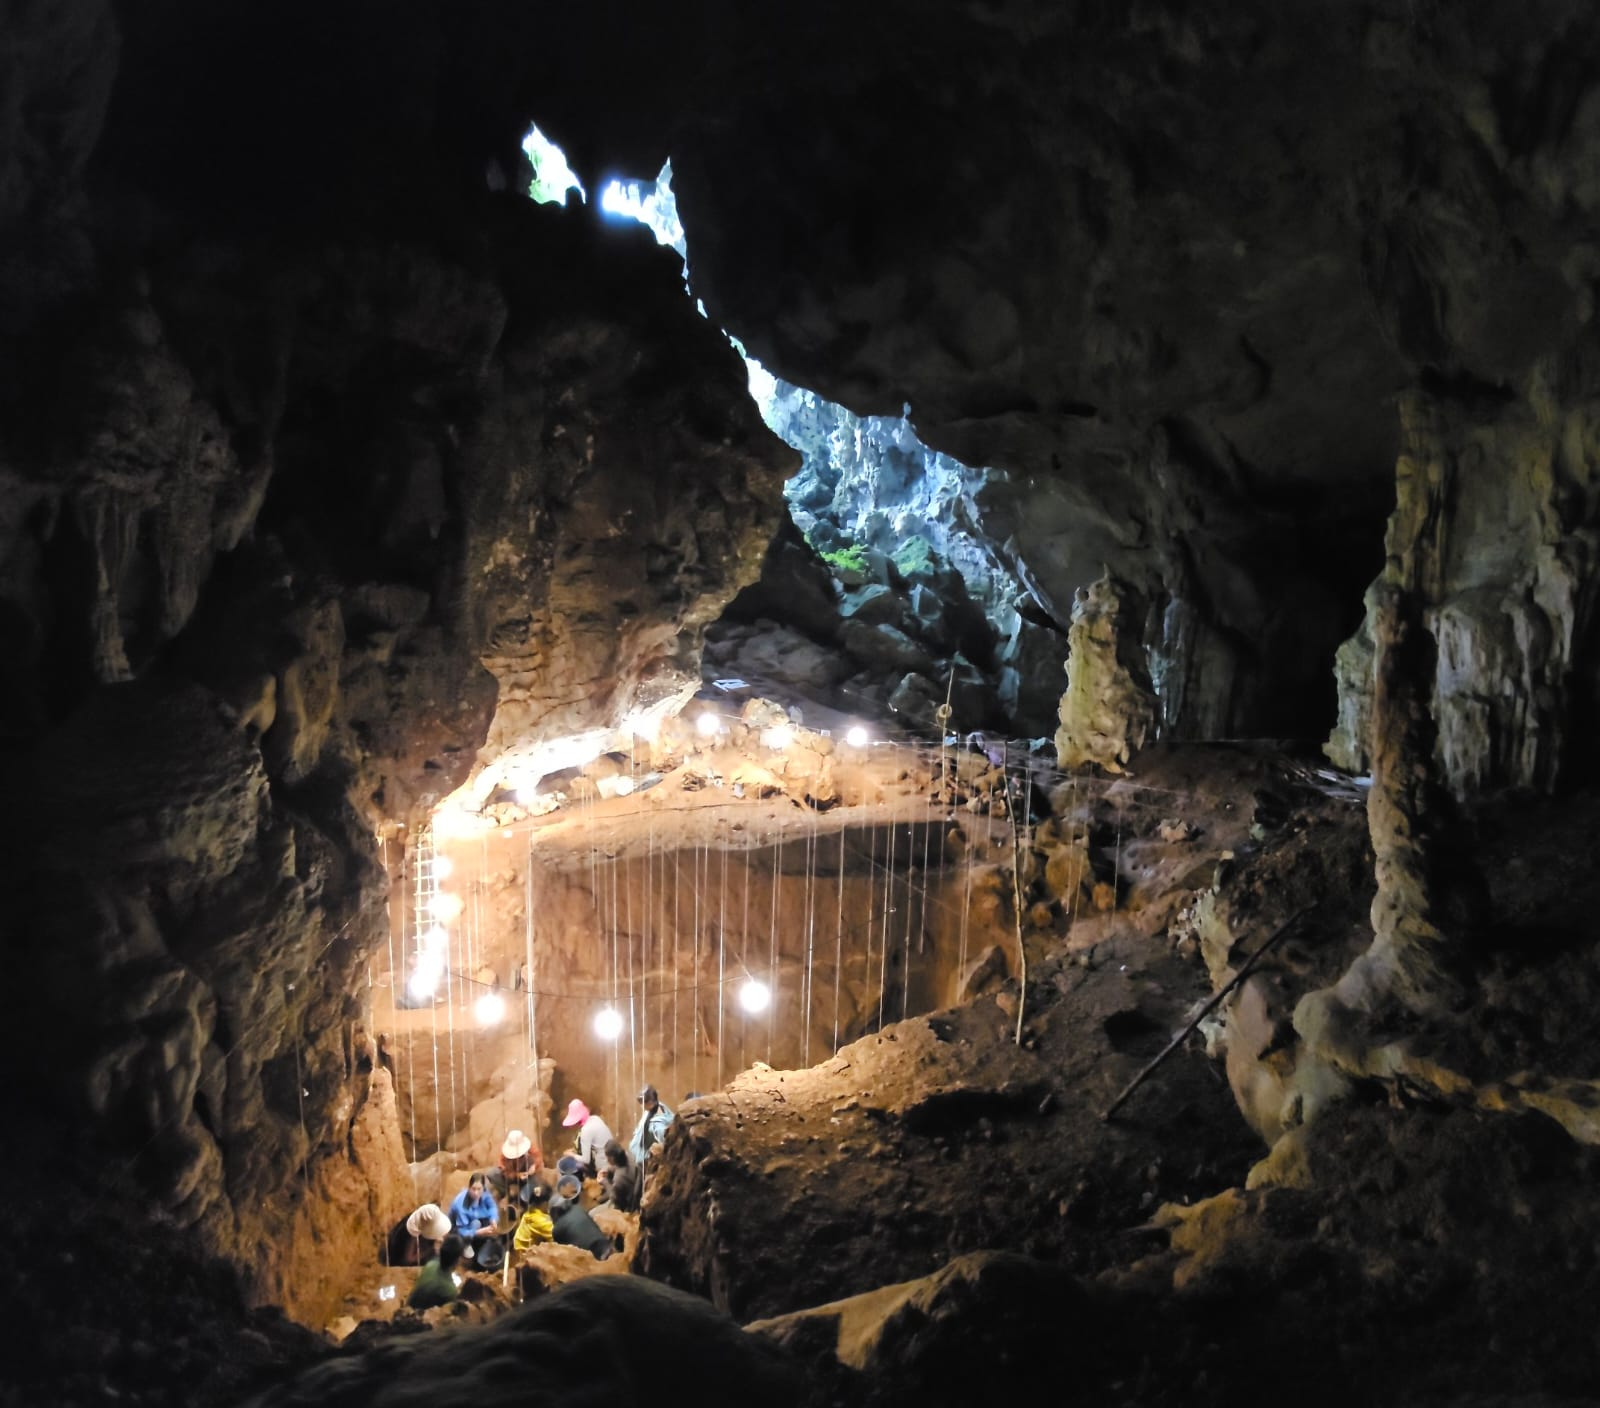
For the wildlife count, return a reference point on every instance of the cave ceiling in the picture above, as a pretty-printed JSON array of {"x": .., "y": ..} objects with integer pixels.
[{"x": 1168, "y": 267}]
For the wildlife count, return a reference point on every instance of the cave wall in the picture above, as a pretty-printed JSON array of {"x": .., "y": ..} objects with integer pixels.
[
  {"x": 1494, "y": 534},
  {"x": 302, "y": 488},
  {"x": 1168, "y": 273},
  {"x": 297, "y": 405}
]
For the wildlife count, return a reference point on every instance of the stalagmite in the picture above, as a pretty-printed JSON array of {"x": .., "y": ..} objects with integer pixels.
[{"x": 1108, "y": 710}]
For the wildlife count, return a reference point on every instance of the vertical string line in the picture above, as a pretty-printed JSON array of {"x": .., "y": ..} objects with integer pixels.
[
  {"x": 677, "y": 895},
  {"x": 883, "y": 948},
  {"x": 616, "y": 1046},
  {"x": 808, "y": 987},
  {"x": 722, "y": 955},
  {"x": 700, "y": 860},
  {"x": 530, "y": 985},
  {"x": 772, "y": 953},
  {"x": 838, "y": 941},
  {"x": 744, "y": 948},
  {"x": 633, "y": 1025}
]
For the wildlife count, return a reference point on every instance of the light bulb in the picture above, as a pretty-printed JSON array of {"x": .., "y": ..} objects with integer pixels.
[
  {"x": 707, "y": 724},
  {"x": 445, "y": 907},
  {"x": 489, "y": 1009},
  {"x": 777, "y": 738},
  {"x": 754, "y": 996},
  {"x": 443, "y": 867},
  {"x": 424, "y": 984},
  {"x": 608, "y": 1024},
  {"x": 856, "y": 737}
]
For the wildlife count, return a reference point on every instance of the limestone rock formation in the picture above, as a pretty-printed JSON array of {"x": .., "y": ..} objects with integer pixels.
[
  {"x": 1495, "y": 528},
  {"x": 293, "y": 510},
  {"x": 597, "y": 1339},
  {"x": 946, "y": 1333},
  {"x": 1108, "y": 709}
]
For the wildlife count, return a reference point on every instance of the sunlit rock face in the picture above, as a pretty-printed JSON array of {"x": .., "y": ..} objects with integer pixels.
[
  {"x": 902, "y": 527},
  {"x": 1169, "y": 272}
]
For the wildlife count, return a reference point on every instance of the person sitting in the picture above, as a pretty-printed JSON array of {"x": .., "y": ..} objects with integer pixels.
[
  {"x": 535, "y": 1225},
  {"x": 652, "y": 1127},
  {"x": 475, "y": 1216},
  {"x": 622, "y": 1179},
  {"x": 593, "y": 1133},
  {"x": 571, "y": 1225},
  {"x": 416, "y": 1239},
  {"x": 436, "y": 1283},
  {"x": 520, "y": 1159}
]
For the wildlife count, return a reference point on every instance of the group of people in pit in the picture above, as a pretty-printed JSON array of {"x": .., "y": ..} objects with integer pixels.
[{"x": 469, "y": 1235}]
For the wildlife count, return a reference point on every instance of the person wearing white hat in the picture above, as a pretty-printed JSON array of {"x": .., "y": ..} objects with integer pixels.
[
  {"x": 520, "y": 1159},
  {"x": 593, "y": 1134},
  {"x": 416, "y": 1238}
]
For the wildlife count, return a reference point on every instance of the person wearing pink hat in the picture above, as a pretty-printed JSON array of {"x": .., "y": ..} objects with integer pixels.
[{"x": 593, "y": 1134}]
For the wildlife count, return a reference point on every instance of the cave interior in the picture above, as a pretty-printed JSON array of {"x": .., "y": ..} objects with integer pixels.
[{"x": 997, "y": 599}]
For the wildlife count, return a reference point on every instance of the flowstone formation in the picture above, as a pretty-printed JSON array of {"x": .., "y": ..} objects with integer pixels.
[
  {"x": 1496, "y": 533},
  {"x": 1108, "y": 709}
]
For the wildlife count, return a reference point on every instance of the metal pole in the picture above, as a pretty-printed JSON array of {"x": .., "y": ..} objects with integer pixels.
[{"x": 1205, "y": 1011}]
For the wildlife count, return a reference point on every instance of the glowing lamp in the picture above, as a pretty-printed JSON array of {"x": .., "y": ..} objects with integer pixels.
[
  {"x": 608, "y": 1024},
  {"x": 777, "y": 738},
  {"x": 445, "y": 907},
  {"x": 754, "y": 996},
  {"x": 443, "y": 867},
  {"x": 434, "y": 940},
  {"x": 424, "y": 983},
  {"x": 707, "y": 725},
  {"x": 856, "y": 737},
  {"x": 624, "y": 786},
  {"x": 489, "y": 1009}
]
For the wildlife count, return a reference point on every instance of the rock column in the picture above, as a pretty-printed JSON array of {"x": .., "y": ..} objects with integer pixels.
[{"x": 1109, "y": 708}]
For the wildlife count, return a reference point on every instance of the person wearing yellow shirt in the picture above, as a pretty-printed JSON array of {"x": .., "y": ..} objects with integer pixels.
[{"x": 535, "y": 1225}]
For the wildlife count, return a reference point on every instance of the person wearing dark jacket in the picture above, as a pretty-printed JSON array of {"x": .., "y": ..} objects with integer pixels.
[
  {"x": 573, "y": 1226},
  {"x": 623, "y": 1180},
  {"x": 436, "y": 1282}
]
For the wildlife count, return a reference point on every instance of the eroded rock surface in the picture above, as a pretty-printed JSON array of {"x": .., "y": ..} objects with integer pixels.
[
  {"x": 792, "y": 1187},
  {"x": 596, "y": 1340},
  {"x": 1108, "y": 709},
  {"x": 295, "y": 507},
  {"x": 1495, "y": 534}
]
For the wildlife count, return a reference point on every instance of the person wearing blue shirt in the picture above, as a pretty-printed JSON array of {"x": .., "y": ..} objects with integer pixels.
[
  {"x": 652, "y": 1127},
  {"x": 474, "y": 1213}
]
